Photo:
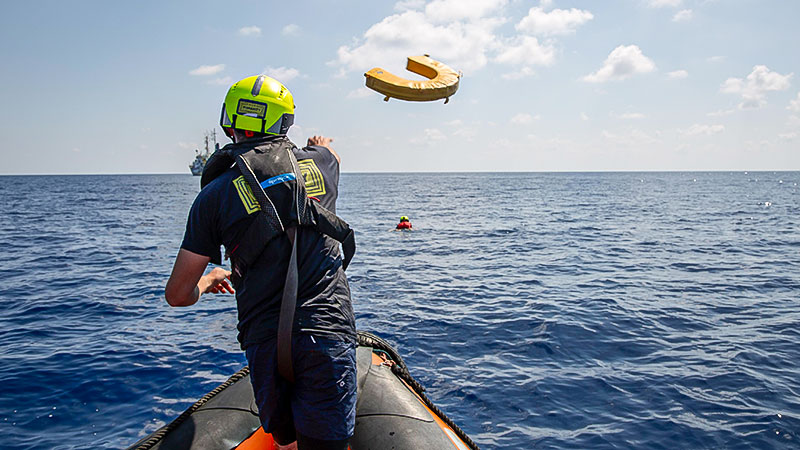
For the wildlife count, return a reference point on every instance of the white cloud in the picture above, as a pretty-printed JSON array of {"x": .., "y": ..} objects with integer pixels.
[
  {"x": 528, "y": 51},
  {"x": 631, "y": 116},
  {"x": 683, "y": 15},
  {"x": 631, "y": 138},
  {"x": 705, "y": 130},
  {"x": 793, "y": 121},
  {"x": 361, "y": 92},
  {"x": 716, "y": 59},
  {"x": 456, "y": 10},
  {"x": 463, "y": 46},
  {"x": 677, "y": 74},
  {"x": 461, "y": 130},
  {"x": 754, "y": 88},
  {"x": 207, "y": 70},
  {"x": 462, "y": 34},
  {"x": 522, "y": 73},
  {"x": 524, "y": 118},
  {"x": 721, "y": 113},
  {"x": 290, "y": 30},
  {"x": 222, "y": 81},
  {"x": 282, "y": 74},
  {"x": 584, "y": 116},
  {"x": 555, "y": 22},
  {"x": 429, "y": 136},
  {"x": 663, "y": 3},
  {"x": 794, "y": 105},
  {"x": 623, "y": 62},
  {"x": 434, "y": 134},
  {"x": 250, "y": 31}
]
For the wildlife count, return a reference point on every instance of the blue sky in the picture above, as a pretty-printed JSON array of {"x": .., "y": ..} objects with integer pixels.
[{"x": 130, "y": 87}]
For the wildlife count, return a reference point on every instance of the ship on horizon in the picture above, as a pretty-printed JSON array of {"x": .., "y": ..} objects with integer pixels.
[{"x": 200, "y": 158}]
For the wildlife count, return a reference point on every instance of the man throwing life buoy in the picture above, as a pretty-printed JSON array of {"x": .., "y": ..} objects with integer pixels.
[{"x": 272, "y": 206}]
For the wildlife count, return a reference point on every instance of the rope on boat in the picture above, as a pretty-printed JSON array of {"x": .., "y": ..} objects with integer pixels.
[
  {"x": 367, "y": 339},
  {"x": 162, "y": 432}
]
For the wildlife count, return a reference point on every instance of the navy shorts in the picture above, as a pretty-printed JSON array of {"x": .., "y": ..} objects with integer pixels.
[{"x": 321, "y": 404}]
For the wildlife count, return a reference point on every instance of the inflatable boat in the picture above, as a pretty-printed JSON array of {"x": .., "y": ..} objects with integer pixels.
[{"x": 392, "y": 412}]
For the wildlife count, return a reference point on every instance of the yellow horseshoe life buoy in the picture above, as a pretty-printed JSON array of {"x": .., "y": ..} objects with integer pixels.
[{"x": 442, "y": 82}]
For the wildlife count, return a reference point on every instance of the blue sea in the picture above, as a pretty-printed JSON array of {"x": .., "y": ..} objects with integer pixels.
[{"x": 540, "y": 310}]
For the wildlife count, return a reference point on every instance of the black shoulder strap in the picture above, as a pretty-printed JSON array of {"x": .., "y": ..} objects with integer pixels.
[{"x": 288, "y": 305}]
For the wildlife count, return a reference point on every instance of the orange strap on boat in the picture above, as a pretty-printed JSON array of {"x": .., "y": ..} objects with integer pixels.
[{"x": 441, "y": 84}]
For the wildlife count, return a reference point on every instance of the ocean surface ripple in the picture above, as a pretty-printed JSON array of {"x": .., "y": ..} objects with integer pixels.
[{"x": 540, "y": 310}]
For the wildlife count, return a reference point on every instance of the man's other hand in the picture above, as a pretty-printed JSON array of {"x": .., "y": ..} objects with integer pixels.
[
  {"x": 323, "y": 141},
  {"x": 217, "y": 281}
]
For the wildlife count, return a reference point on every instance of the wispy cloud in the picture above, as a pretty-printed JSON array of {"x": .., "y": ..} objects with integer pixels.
[
  {"x": 794, "y": 105},
  {"x": 524, "y": 118},
  {"x": 663, "y": 3},
  {"x": 703, "y": 130},
  {"x": 623, "y": 62},
  {"x": 250, "y": 31},
  {"x": 677, "y": 74},
  {"x": 683, "y": 15},
  {"x": 221, "y": 81},
  {"x": 361, "y": 92},
  {"x": 291, "y": 30},
  {"x": 203, "y": 71},
  {"x": 633, "y": 138},
  {"x": 429, "y": 136},
  {"x": 754, "y": 88},
  {"x": 721, "y": 113},
  {"x": 519, "y": 74},
  {"x": 631, "y": 116},
  {"x": 282, "y": 74}
]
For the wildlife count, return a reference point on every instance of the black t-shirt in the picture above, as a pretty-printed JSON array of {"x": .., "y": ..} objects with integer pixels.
[{"x": 219, "y": 217}]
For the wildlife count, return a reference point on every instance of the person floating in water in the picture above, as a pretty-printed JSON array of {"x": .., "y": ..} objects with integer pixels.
[{"x": 404, "y": 224}]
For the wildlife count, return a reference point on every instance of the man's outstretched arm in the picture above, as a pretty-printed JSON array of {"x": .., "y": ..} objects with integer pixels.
[
  {"x": 323, "y": 141},
  {"x": 187, "y": 282}
]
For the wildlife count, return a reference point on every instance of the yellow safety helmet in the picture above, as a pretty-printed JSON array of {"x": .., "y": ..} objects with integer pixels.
[
  {"x": 403, "y": 219},
  {"x": 260, "y": 104}
]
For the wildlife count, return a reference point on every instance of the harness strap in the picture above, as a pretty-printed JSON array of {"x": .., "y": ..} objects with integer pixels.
[
  {"x": 331, "y": 225},
  {"x": 286, "y": 320},
  {"x": 261, "y": 231},
  {"x": 262, "y": 198}
]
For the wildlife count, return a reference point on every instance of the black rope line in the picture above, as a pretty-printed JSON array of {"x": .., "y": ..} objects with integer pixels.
[{"x": 163, "y": 431}]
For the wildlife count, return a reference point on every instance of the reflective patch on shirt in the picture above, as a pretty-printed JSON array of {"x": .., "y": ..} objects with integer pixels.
[
  {"x": 246, "y": 195},
  {"x": 315, "y": 183}
]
